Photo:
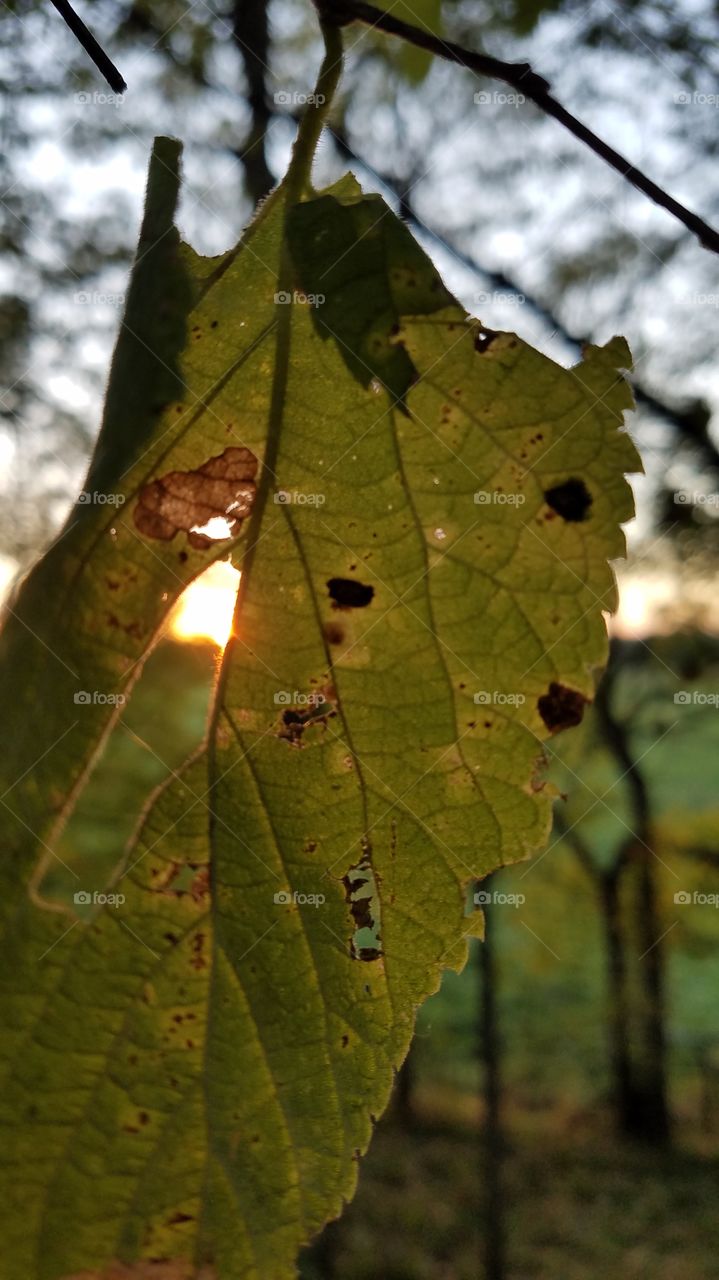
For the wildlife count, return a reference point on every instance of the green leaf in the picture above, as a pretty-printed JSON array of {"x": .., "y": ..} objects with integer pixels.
[{"x": 191, "y": 1073}]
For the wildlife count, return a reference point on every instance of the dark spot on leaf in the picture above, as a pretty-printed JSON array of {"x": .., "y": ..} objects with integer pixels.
[
  {"x": 345, "y": 593},
  {"x": 345, "y": 1041},
  {"x": 334, "y": 633},
  {"x": 223, "y": 486},
  {"x": 296, "y": 719},
  {"x": 177, "y": 1218},
  {"x": 570, "y": 500},
  {"x": 561, "y": 708},
  {"x": 483, "y": 339}
]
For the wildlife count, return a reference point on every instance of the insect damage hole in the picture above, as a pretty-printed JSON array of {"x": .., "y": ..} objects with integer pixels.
[
  {"x": 345, "y": 593},
  {"x": 362, "y": 897},
  {"x": 206, "y": 504},
  {"x": 483, "y": 339},
  {"x": 561, "y": 708},
  {"x": 571, "y": 500}
]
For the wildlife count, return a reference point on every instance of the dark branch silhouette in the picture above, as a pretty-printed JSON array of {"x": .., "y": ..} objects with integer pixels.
[
  {"x": 522, "y": 77},
  {"x": 90, "y": 45}
]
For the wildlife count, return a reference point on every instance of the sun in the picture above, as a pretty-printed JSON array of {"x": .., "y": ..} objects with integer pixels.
[{"x": 205, "y": 609}]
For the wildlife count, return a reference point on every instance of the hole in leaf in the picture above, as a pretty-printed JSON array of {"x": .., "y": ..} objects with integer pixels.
[
  {"x": 570, "y": 500},
  {"x": 561, "y": 708},
  {"x": 483, "y": 339},
  {"x": 363, "y": 900},
  {"x": 345, "y": 593}
]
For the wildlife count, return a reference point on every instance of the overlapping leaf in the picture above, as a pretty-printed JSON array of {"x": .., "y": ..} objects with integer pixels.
[{"x": 191, "y": 1076}]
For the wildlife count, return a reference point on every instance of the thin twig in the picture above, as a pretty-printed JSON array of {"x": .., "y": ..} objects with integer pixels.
[
  {"x": 90, "y": 45},
  {"x": 521, "y": 76}
]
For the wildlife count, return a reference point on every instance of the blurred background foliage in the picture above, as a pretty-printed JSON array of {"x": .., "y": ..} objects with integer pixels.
[{"x": 559, "y": 1112}]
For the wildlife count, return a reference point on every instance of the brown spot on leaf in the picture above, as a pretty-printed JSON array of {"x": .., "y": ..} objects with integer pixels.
[
  {"x": 570, "y": 500},
  {"x": 345, "y": 593},
  {"x": 200, "y": 886},
  {"x": 334, "y": 633},
  {"x": 187, "y": 500},
  {"x": 561, "y": 708}
]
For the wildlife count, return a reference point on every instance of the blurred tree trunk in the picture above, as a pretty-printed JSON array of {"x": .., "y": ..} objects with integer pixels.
[
  {"x": 490, "y": 1056},
  {"x": 637, "y": 1046},
  {"x": 636, "y": 932},
  {"x": 632, "y": 929},
  {"x": 251, "y": 35}
]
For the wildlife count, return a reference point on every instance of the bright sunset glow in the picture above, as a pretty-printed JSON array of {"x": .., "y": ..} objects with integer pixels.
[{"x": 205, "y": 609}]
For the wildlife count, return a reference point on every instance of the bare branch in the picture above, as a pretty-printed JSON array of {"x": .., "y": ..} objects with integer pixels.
[
  {"x": 90, "y": 45},
  {"x": 522, "y": 77}
]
